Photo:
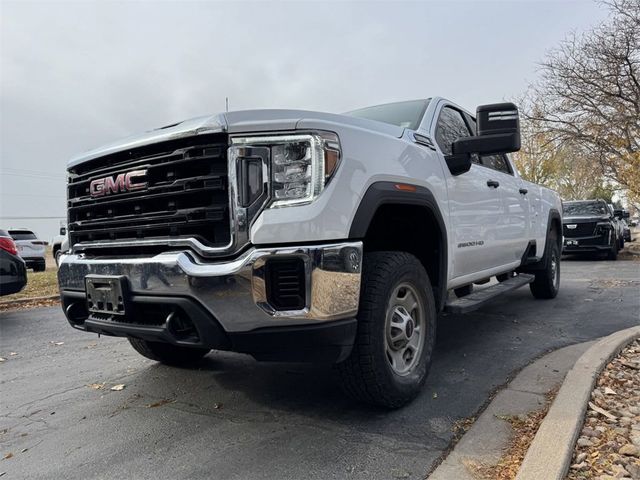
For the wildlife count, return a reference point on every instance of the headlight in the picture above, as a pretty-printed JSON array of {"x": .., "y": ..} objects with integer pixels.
[
  {"x": 602, "y": 228},
  {"x": 300, "y": 165}
]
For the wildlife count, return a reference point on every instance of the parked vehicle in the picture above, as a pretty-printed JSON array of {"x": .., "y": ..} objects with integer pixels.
[
  {"x": 306, "y": 236},
  {"x": 617, "y": 218},
  {"x": 626, "y": 230},
  {"x": 60, "y": 243},
  {"x": 589, "y": 226},
  {"x": 13, "y": 271},
  {"x": 30, "y": 248}
]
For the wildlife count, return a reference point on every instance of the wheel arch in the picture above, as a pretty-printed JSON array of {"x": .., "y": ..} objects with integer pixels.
[{"x": 388, "y": 211}]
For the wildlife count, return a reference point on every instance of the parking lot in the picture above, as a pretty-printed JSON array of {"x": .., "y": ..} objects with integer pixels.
[{"x": 243, "y": 419}]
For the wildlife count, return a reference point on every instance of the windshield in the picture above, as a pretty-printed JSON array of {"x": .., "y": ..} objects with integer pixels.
[
  {"x": 22, "y": 235},
  {"x": 584, "y": 208},
  {"x": 403, "y": 114}
]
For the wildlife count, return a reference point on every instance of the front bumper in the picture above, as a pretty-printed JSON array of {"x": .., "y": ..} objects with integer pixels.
[{"x": 224, "y": 300}]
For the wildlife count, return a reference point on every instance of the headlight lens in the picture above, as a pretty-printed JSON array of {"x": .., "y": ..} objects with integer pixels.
[{"x": 301, "y": 165}]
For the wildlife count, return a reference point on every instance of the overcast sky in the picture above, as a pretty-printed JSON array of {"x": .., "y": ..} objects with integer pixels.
[{"x": 75, "y": 75}]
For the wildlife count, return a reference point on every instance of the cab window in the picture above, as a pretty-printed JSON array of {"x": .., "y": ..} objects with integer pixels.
[{"x": 450, "y": 127}]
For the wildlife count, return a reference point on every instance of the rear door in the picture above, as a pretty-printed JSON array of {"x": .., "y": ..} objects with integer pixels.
[{"x": 475, "y": 206}]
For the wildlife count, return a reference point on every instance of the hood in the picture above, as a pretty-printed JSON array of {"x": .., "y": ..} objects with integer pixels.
[
  {"x": 585, "y": 219},
  {"x": 246, "y": 121}
]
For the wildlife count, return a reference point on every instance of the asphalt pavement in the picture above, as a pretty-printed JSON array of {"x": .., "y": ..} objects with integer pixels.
[{"x": 235, "y": 418}]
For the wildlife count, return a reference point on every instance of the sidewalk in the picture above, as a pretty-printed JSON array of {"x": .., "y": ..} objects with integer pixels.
[{"x": 495, "y": 445}]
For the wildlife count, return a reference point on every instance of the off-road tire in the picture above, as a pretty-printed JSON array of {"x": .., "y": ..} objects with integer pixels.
[
  {"x": 167, "y": 353},
  {"x": 39, "y": 268},
  {"x": 366, "y": 374},
  {"x": 546, "y": 285},
  {"x": 56, "y": 256}
]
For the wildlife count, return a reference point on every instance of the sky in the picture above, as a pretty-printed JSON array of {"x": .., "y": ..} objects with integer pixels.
[{"x": 75, "y": 75}]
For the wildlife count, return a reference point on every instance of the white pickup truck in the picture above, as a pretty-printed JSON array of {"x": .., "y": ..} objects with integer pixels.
[{"x": 305, "y": 236}]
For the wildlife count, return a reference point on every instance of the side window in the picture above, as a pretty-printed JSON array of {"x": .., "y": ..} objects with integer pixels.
[
  {"x": 497, "y": 162},
  {"x": 451, "y": 126}
]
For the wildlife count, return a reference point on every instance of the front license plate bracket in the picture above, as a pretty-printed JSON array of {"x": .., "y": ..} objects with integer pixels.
[{"x": 106, "y": 294}]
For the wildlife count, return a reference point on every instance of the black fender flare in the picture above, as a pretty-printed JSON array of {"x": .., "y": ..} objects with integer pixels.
[{"x": 400, "y": 193}]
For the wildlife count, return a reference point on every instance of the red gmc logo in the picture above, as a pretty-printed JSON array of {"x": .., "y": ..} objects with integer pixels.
[{"x": 123, "y": 182}]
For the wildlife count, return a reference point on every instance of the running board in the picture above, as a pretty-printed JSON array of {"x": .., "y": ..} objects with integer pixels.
[{"x": 477, "y": 299}]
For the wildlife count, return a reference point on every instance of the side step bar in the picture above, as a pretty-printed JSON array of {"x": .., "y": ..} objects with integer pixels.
[{"x": 477, "y": 299}]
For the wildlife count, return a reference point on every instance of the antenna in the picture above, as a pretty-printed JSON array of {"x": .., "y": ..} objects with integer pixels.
[{"x": 226, "y": 99}]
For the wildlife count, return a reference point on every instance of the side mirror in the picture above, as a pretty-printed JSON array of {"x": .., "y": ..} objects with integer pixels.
[
  {"x": 625, "y": 214},
  {"x": 617, "y": 213},
  {"x": 498, "y": 131},
  {"x": 63, "y": 231}
]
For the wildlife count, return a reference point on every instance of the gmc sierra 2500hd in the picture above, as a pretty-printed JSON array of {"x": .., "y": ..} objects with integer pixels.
[{"x": 305, "y": 236}]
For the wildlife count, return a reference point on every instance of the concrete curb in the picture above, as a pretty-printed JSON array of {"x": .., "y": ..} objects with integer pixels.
[
  {"x": 20, "y": 301},
  {"x": 551, "y": 451}
]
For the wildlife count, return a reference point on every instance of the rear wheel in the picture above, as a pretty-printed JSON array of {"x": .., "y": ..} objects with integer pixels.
[
  {"x": 547, "y": 280},
  {"x": 394, "y": 343},
  {"x": 167, "y": 353},
  {"x": 39, "y": 267}
]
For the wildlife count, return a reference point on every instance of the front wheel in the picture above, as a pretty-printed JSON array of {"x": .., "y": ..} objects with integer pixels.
[
  {"x": 394, "y": 343},
  {"x": 547, "y": 280},
  {"x": 167, "y": 353}
]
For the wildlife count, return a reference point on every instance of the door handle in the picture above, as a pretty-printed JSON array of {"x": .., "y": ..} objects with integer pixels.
[
  {"x": 493, "y": 183},
  {"x": 524, "y": 191}
]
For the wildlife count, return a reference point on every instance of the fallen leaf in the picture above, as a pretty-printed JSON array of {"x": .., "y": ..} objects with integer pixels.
[
  {"x": 91, "y": 345},
  {"x": 435, "y": 395},
  {"x": 159, "y": 403},
  {"x": 2, "y": 359},
  {"x": 24, "y": 450},
  {"x": 119, "y": 387},
  {"x": 635, "y": 366},
  {"x": 601, "y": 411},
  {"x": 56, "y": 343},
  {"x": 217, "y": 406},
  {"x": 609, "y": 391},
  {"x": 96, "y": 386},
  {"x": 13, "y": 353},
  {"x": 8, "y": 456}
]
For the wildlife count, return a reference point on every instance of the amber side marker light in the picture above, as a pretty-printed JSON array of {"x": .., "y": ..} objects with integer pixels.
[{"x": 404, "y": 187}]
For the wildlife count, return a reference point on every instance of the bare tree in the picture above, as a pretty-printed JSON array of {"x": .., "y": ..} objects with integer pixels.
[{"x": 589, "y": 95}]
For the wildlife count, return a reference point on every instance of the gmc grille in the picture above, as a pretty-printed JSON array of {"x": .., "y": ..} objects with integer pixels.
[
  {"x": 581, "y": 230},
  {"x": 186, "y": 194}
]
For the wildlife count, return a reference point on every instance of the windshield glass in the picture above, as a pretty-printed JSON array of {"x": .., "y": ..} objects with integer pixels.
[
  {"x": 584, "y": 208},
  {"x": 22, "y": 235},
  {"x": 403, "y": 114}
]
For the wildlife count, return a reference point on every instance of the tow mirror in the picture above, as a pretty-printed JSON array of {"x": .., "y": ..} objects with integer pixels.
[{"x": 497, "y": 131}]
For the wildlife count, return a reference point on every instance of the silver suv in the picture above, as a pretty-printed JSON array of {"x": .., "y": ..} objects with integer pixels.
[{"x": 30, "y": 248}]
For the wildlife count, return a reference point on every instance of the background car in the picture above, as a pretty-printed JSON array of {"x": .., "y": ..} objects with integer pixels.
[
  {"x": 30, "y": 248},
  {"x": 13, "y": 271}
]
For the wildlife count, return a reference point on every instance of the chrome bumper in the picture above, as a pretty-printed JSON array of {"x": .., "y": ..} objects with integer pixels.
[{"x": 235, "y": 292}]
